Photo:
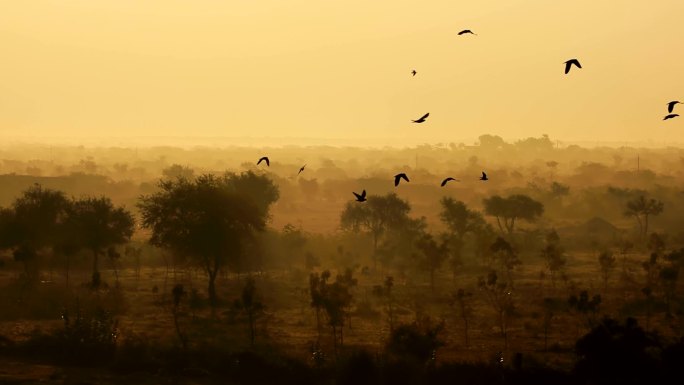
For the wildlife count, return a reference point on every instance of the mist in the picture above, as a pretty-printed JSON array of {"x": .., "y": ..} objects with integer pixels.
[{"x": 508, "y": 280}]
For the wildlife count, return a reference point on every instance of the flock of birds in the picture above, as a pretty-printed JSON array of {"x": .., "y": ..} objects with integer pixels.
[{"x": 397, "y": 178}]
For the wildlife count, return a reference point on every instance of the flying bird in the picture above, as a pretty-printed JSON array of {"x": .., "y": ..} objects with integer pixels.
[
  {"x": 360, "y": 197},
  {"x": 569, "y": 64},
  {"x": 414, "y": 72},
  {"x": 399, "y": 177},
  {"x": 421, "y": 119},
  {"x": 466, "y": 31},
  {"x": 301, "y": 169},
  {"x": 484, "y": 176},
  {"x": 264, "y": 159},
  {"x": 671, "y": 105},
  {"x": 445, "y": 181},
  {"x": 670, "y": 116}
]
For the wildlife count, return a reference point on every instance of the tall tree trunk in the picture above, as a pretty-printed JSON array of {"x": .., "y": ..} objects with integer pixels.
[
  {"x": 212, "y": 289},
  {"x": 252, "y": 327},
  {"x": 375, "y": 250},
  {"x": 96, "y": 273},
  {"x": 432, "y": 280},
  {"x": 465, "y": 323}
]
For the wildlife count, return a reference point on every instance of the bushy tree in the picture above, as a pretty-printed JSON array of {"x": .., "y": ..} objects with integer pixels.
[
  {"x": 432, "y": 255},
  {"x": 376, "y": 216},
  {"x": 207, "y": 219},
  {"x": 508, "y": 210},
  {"x": 34, "y": 224},
  {"x": 99, "y": 226}
]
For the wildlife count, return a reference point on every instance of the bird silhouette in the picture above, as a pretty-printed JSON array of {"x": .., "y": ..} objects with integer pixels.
[
  {"x": 360, "y": 197},
  {"x": 301, "y": 169},
  {"x": 399, "y": 177},
  {"x": 569, "y": 64},
  {"x": 421, "y": 119},
  {"x": 445, "y": 181},
  {"x": 484, "y": 176},
  {"x": 466, "y": 31},
  {"x": 414, "y": 72},
  {"x": 670, "y": 116},
  {"x": 671, "y": 105},
  {"x": 264, "y": 159}
]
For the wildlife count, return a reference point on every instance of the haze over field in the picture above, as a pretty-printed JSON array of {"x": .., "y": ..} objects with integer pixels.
[{"x": 382, "y": 192}]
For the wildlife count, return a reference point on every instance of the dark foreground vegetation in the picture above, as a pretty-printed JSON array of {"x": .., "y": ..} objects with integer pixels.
[{"x": 552, "y": 271}]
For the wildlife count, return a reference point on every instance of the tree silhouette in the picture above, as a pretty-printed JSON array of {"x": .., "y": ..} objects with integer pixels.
[
  {"x": 417, "y": 341},
  {"x": 385, "y": 291},
  {"x": 462, "y": 301},
  {"x": 377, "y": 215},
  {"x": 33, "y": 223},
  {"x": 207, "y": 219},
  {"x": 250, "y": 304},
  {"x": 641, "y": 209},
  {"x": 334, "y": 298},
  {"x": 585, "y": 306},
  {"x": 500, "y": 296},
  {"x": 460, "y": 221},
  {"x": 607, "y": 264},
  {"x": 178, "y": 292},
  {"x": 617, "y": 353},
  {"x": 432, "y": 255},
  {"x": 508, "y": 210},
  {"x": 99, "y": 226},
  {"x": 176, "y": 171},
  {"x": 506, "y": 256},
  {"x": 553, "y": 255}
]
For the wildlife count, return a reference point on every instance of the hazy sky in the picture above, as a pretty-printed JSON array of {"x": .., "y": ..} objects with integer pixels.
[{"x": 341, "y": 68}]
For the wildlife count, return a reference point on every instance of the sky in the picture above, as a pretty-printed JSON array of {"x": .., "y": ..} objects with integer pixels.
[{"x": 339, "y": 71}]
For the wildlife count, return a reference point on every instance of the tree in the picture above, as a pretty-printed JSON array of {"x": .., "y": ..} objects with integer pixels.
[
  {"x": 99, "y": 226},
  {"x": 606, "y": 264},
  {"x": 668, "y": 278},
  {"x": 585, "y": 306},
  {"x": 317, "y": 286},
  {"x": 385, "y": 291},
  {"x": 33, "y": 224},
  {"x": 433, "y": 255},
  {"x": 176, "y": 171},
  {"x": 260, "y": 189},
  {"x": 250, "y": 304},
  {"x": 376, "y": 216},
  {"x": 641, "y": 209},
  {"x": 553, "y": 255},
  {"x": 507, "y": 210},
  {"x": 178, "y": 293},
  {"x": 460, "y": 221},
  {"x": 207, "y": 220},
  {"x": 334, "y": 298},
  {"x": 506, "y": 256},
  {"x": 618, "y": 353},
  {"x": 418, "y": 341},
  {"x": 461, "y": 300},
  {"x": 500, "y": 297}
]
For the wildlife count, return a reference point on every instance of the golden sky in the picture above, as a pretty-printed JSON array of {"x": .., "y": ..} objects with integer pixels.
[{"x": 341, "y": 68}]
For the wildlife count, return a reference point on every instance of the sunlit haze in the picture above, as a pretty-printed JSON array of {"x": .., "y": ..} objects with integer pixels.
[{"x": 339, "y": 71}]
